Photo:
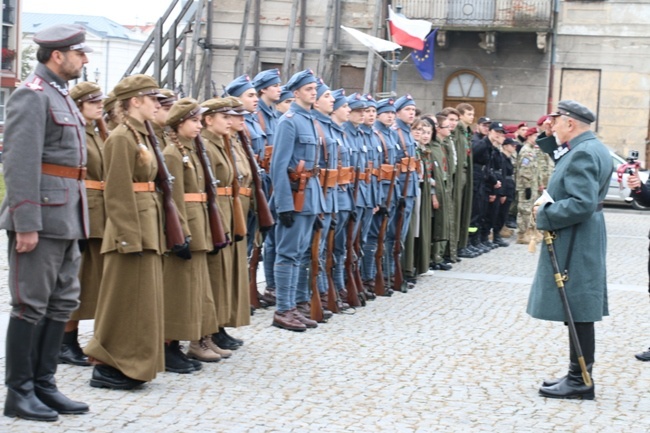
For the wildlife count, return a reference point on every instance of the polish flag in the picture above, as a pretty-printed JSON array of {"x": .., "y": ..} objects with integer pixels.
[{"x": 406, "y": 32}]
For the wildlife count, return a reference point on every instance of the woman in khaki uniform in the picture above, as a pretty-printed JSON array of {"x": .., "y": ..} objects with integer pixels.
[
  {"x": 217, "y": 122},
  {"x": 240, "y": 314},
  {"x": 88, "y": 96},
  {"x": 167, "y": 99},
  {"x": 127, "y": 345},
  {"x": 189, "y": 305}
]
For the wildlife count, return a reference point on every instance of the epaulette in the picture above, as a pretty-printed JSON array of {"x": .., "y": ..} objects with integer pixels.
[
  {"x": 288, "y": 114},
  {"x": 35, "y": 84}
]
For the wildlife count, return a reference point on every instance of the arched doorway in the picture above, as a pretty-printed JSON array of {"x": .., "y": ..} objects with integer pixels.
[{"x": 466, "y": 86}]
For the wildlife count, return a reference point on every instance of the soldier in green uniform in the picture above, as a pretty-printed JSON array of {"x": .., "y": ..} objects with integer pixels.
[
  {"x": 442, "y": 177},
  {"x": 526, "y": 183},
  {"x": 464, "y": 179}
]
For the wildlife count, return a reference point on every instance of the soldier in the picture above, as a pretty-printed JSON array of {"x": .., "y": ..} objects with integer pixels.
[
  {"x": 110, "y": 116},
  {"x": 442, "y": 197},
  {"x": 88, "y": 96},
  {"x": 507, "y": 192},
  {"x": 242, "y": 88},
  {"x": 526, "y": 184},
  {"x": 463, "y": 184},
  {"x": 283, "y": 104},
  {"x": 577, "y": 188},
  {"x": 428, "y": 189},
  {"x": 482, "y": 129},
  {"x": 44, "y": 213},
  {"x": 127, "y": 355},
  {"x": 297, "y": 195},
  {"x": 451, "y": 255},
  {"x": 167, "y": 99}
]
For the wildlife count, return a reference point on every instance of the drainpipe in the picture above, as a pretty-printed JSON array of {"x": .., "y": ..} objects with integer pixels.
[{"x": 556, "y": 10}]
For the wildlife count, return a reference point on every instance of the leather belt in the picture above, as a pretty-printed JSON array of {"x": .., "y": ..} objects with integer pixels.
[
  {"x": 345, "y": 176},
  {"x": 199, "y": 197},
  {"x": 363, "y": 176},
  {"x": 78, "y": 173},
  {"x": 227, "y": 190},
  {"x": 94, "y": 184},
  {"x": 144, "y": 187},
  {"x": 407, "y": 164},
  {"x": 375, "y": 172},
  {"x": 247, "y": 192},
  {"x": 332, "y": 176},
  {"x": 295, "y": 176}
]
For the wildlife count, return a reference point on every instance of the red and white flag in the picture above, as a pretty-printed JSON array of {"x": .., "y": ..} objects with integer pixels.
[{"x": 406, "y": 32}]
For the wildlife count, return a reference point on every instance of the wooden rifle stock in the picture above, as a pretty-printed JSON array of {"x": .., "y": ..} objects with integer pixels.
[
  {"x": 264, "y": 217},
  {"x": 332, "y": 293},
  {"x": 397, "y": 246},
  {"x": 173, "y": 229},
  {"x": 252, "y": 277},
  {"x": 350, "y": 277},
  {"x": 239, "y": 219},
  {"x": 101, "y": 127},
  {"x": 316, "y": 312},
  {"x": 219, "y": 237},
  {"x": 380, "y": 288}
]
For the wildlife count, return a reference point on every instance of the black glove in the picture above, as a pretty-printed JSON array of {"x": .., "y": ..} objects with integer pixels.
[
  {"x": 266, "y": 229},
  {"x": 529, "y": 193},
  {"x": 354, "y": 216},
  {"x": 402, "y": 202},
  {"x": 286, "y": 218},
  {"x": 333, "y": 223},
  {"x": 82, "y": 244},
  {"x": 318, "y": 223},
  {"x": 383, "y": 210},
  {"x": 183, "y": 251}
]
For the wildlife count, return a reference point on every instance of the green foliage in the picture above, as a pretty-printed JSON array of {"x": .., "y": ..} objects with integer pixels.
[{"x": 28, "y": 57}]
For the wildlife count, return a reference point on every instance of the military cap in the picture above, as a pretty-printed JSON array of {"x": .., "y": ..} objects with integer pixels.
[
  {"x": 167, "y": 97},
  {"x": 136, "y": 85},
  {"x": 266, "y": 79},
  {"x": 218, "y": 105},
  {"x": 404, "y": 101},
  {"x": 497, "y": 126},
  {"x": 510, "y": 128},
  {"x": 386, "y": 105},
  {"x": 184, "y": 109},
  {"x": 370, "y": 101},
  {"x": 521, "y": 125},
  {"x": 542, "y": 119},
  {"x": 575, "y": 110},
  {"x": 321, "y": 87},
  {"x": 483, "y": 120},
  {"x": 86, "y": 91},
  {"x": 531, "y": 131},
  {"x": 237, "y": 106},
  {"x": 509, "y": 141},
  {"x": 300, "y": 79},
  {"x": 286, "y": 94},
  {"x": 110, "y": 101},
  {"x": 339, "y": 98},
  {"x": 63, "y": 37},
  {"x": 356, "y": 102},
  {"x": 239, "y": 85}
]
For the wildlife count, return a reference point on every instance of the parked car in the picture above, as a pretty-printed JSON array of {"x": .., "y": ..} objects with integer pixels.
[{"x": 618, "y": 192}]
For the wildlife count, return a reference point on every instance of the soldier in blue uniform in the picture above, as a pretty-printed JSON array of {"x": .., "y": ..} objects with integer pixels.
[
  {"x": 283, "y": 104},
  {"x": 294, "y": 171}
]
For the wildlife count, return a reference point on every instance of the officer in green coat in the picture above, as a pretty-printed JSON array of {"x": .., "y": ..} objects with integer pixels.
[{"x": 577, "y": 188}]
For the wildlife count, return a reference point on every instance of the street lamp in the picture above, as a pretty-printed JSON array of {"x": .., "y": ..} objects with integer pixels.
[{"x": 97, "y": 74}]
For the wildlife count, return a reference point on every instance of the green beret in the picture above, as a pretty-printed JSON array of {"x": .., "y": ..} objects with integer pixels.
[
  {"x": 136, "y": 85},
  {"x": 184, "y": 109},
  {"x": 218, "y": 105},
  {"x": 86, "y": 91}
]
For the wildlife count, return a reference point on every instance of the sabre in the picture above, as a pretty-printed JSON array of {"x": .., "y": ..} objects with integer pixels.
[{"x": 559, "y": 281}]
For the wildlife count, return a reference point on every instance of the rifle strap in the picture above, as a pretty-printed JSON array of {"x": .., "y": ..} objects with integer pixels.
[
  {"x": 383, "y": 144},
  {"x": 321, "y": 135},
  {"x": 260, "y": 119},
  {"x": 402, "y": 141}
]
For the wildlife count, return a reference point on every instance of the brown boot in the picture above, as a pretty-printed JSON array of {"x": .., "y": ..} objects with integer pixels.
[
  {"x": 224, "y": 353},
  {"x": 286, "y": 320},
  {"x": 302, "y": 319},
  {"x": 267, "y": 299},
  {"x": 505, "y": 232},
  {"x": 342, "y": 301},
  {"x": 304, "y": 308},
  {"x": 200, "y": 350},
  {"x": 522, "y": 239},
  {"x": 327, "y": 314}
]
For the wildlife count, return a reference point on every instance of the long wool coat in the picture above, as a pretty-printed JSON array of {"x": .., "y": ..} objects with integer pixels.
[{"x": 578, "y": 185}]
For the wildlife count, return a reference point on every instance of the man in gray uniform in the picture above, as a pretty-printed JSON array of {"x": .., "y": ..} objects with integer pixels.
[{"x": 44, "y": 213}]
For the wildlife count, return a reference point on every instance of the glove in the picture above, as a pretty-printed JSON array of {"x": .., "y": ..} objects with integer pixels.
[
  {"x": 318, "y": 224},
  {"x": 354, "y": 216},
  {"x": 402, "y": 202},
  {"x": 183, "y": 251},
  {"x": 383, "y": 210},
  {"x": 286, "y": 218},
  {"x": 266, "y": 229},
  {"x": 82, "y": 243},
  {"x": 529, "y": 193},
  {"x": 332, "y": 223}
]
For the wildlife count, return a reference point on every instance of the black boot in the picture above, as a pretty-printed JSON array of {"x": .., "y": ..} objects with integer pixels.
[
  {"x": 71, "y": 352},
  {"x": 572, "y": 386},
  {"x": 175, "y": 360},
  {"x": 221, "y": 339},
  {"x": 19, "y": 375},
  {"x": 498, "y": 240},
  {"x": 47, "y": 343},
  {"x": 237, "y": 341}
]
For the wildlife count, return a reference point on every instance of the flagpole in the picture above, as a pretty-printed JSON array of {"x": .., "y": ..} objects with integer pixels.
[{"x": 395, "y": 62}]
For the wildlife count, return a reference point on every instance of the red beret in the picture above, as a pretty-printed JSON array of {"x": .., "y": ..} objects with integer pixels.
[
  {"x": 510, "y": 128},
  {"x": 520, "y": 124},
  {"x": 542, "y": 119},
  {"x": 530, "y": 132}
]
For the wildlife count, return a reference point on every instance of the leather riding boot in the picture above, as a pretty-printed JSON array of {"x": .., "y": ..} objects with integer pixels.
[
  {"x": 572, "y": 386},
  {"x": 70, "y": 352},
  {"x": 45, "y": 355},
  {"x": 21, "y": 399}
]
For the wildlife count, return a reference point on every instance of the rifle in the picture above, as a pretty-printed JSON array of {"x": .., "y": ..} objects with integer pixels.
[
  {"x": 354, "y": 298},
  {"x": 316, "y": 307},
  {"x": 219, "y": 237},
  {"x": 101, "y": 127},
  {"x": 173, "y": 229},
  {"x": 379, "y": 276},
  {"x": 397, "y": 246},
  {"x": 239, "y": 219},
  {"x": 252, "y": 278},
  {"x": 332, "y": 293}
]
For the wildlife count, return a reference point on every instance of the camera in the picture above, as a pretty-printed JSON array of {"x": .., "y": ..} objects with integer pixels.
[{"x": 632, "y": 162}]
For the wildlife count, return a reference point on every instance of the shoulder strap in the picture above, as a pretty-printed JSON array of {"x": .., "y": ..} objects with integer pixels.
[
  {"x": 383, "y": 143},
  {"x": 321, "y": 135},
  {"x": 402, "y": 141}
]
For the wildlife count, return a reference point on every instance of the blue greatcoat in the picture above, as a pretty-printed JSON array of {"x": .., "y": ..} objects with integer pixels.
[{"x": 578, "y": 184}]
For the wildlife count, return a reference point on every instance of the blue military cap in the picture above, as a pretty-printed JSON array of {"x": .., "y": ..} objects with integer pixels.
[
  {"x": 404, "y": 101},
  {"x": 266, "y": 79},
  {"x": 286, "y": 94},
  {"x": 370, "y": 101},
  {"x": 300, "y": 79},
  {"x": 339, "y": 98},
  {"x": 386, "y": 106},
  {"x": 321, "y": 87},
  {"x": 356, "y": 102},
  {"x": 63, "y": 37},
  {"x": 239, "y": 85}
]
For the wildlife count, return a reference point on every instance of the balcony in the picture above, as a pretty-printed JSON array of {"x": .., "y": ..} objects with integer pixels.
[{"x": 477, "y": 15}]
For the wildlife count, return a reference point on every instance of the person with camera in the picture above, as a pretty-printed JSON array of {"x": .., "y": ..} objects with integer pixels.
[{"x": 641, "y": 193}]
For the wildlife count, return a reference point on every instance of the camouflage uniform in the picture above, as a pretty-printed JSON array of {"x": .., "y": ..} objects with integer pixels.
[{"x": 526, "y": 177}]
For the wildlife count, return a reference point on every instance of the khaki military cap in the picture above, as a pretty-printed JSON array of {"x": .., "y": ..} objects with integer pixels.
[
  {"x": 86, "y": 91},
  {"x": 110, "y": 101},
  {"x": 63, "y": 37},
  {"x": 136, "y": 85},
  {"x": 237, "y": 106},
  {"x": 184, "y": 109},
  {"x": 218, "y": 105},
  {"x": 167, "y": 97}
]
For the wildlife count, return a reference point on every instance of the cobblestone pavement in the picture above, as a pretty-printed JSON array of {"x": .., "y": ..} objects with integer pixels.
[{"x": 457, "y": 353}]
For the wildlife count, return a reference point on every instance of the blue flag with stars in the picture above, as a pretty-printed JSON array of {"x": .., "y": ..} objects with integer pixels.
[{"x": 423, "y": 59}]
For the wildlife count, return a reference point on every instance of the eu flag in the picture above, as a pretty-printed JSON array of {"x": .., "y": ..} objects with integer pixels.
[{"x": 423, "y": 59}]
